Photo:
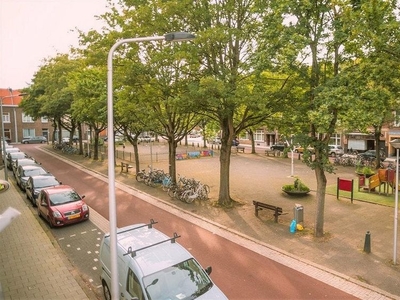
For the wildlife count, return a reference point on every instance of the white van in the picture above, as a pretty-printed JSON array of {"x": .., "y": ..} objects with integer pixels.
[{"x": 154, "y": 266}]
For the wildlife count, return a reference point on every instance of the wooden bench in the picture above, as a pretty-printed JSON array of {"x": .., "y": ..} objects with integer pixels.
[
  {"x": 260, "y": 206},
  {"x": 272, "y": 152},
  {"x": 125, "y": 167},
  {"x": 240, "y": 149}
]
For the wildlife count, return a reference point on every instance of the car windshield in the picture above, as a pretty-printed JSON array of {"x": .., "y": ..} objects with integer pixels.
[
  {"x": 63, "y": 197},
  {"x": 17, "y": 155},
  {"x": 186, "y": 280},
  {"x": 44, "y": 182},
  {"x": 33, "y": 172}
]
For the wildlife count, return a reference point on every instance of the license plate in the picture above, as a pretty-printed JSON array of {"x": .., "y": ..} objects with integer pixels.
[{"x": 74, "y": 216}]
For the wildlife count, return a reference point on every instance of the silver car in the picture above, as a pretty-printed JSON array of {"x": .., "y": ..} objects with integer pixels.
[
  {"x": 335, "y": 150},
  {"x": 34, "y": 140}
]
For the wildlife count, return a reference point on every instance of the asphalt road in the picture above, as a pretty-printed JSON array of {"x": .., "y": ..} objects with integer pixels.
[{"x": 238, "y": 271}]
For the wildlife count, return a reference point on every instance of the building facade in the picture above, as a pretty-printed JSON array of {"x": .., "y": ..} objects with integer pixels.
[{"x": 17, "y": 124}]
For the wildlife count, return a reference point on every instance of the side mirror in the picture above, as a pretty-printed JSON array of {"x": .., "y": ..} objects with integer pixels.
[
  {"x": 208, "y": 270},
  {"x": 83, "y": 196}
]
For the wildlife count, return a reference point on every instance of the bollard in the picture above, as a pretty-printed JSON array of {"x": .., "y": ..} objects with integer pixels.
[{"x": 367, "y": 243}]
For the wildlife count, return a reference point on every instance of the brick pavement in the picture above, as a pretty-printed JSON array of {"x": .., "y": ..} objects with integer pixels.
[{"x": 31, "y": 267}]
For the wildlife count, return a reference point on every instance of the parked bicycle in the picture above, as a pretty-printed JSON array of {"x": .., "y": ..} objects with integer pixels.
[
  {"x": 188, "y": 190},
  {"x": 152, "y": 178}
]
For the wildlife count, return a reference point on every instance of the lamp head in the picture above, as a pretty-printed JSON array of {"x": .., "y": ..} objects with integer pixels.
[{"x": 179, "y": 36}]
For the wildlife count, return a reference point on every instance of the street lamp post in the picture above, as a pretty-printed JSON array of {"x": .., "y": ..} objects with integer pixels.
[
  {"x": 3, "y": 146},
  {"x": 170, "y": 37},
  {"x": 396, "y": 144}
]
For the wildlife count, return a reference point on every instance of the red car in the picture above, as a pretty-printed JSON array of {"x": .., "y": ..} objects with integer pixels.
[{"x": 62, "y": 205}]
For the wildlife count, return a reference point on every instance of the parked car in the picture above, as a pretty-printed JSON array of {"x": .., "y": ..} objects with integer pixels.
[
  {"x": 38, "y": 182},
  {"x": 155, "y": 266},
  {"x": 65, "y": 139},
  {"x": 23, "y": 173},
  {"x": 62, "y": 205},
  {"x": 10, "y": 150},
  {"x": 13, "y": 156},
  {"x": 371, "y": 154},
  {"x": 6, "y": 139},
  {"x": 215, "y": 141},
  {"x": 335, "y": 150},
  {"x": 194, "y": 134},
  {"x": 146, "y": 138},
  {"x": 23, "y": 162},
  {"x": 300, "y": 149},
  {"x": 278, "y": 147},
  {"x": 34, "y": 140}
]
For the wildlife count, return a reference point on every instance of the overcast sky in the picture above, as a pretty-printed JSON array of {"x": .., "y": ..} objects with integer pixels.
[{"x": 32, "y": 30}]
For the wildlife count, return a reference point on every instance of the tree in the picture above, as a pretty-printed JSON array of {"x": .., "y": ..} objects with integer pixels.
[
  {"x": 49, "y": 95},
  {"x": 90, "y": 105}
]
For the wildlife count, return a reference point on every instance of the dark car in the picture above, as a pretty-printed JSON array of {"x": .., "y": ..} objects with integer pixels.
[
  {"x": 24, "y": 172},
  {"x": 34, "y": 140},
  {"x": 38, "y": 182},
  {"x": 62, "y": 205},
  {"x": 371, "y": 154},
  {"x": 279, "y": 147}
]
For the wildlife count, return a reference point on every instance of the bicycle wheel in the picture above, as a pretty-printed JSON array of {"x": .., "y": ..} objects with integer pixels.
[{"x": 140, "y": 177}]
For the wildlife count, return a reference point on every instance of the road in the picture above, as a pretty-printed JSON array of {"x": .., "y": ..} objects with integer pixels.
[{"x": 238, "y": 271}]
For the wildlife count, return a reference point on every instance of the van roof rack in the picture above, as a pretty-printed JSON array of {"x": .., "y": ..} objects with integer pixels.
[
  {"x": 150, "y": 225},
  {"x": 133, "y": 252}
]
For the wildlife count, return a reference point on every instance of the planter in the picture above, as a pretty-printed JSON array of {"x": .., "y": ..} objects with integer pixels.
[{"x": 296, "y": 193}]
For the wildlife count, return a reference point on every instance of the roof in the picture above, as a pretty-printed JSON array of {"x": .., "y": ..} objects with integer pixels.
[
  {"x": 10, "y": 97},
  {"x": 154, "y": 258}
]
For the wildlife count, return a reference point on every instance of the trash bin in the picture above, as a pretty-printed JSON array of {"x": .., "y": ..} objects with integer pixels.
[{"x": 298, "y": 213}]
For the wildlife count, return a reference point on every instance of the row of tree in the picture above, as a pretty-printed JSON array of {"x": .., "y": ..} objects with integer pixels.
[{"x": 307, "y": 67}]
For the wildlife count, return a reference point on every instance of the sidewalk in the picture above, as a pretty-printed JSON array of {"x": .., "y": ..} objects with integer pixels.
[{"x": 31, "y": 266}]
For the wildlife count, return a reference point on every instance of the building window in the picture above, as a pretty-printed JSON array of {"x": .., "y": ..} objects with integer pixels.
[
  {"x": 259, "y": 136},
  {"x": 6, "y": 117},
  {"x": 44, "y": 120},
  {"x": 27, "y": 119},
  {"x": 26, "y": 132}
]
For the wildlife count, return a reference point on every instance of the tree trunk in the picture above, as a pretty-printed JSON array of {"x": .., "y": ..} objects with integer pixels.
[
  {"x": 96, "y": 145},
  {"x": 253, "y": 144},
  {"x": 228, "y": 133},
  {"x": 172, "y": 144},
  {"x": 80, "y": 138},
  {"x": 224, "y": 198},
  {"x": 136, "y": 155},
  {"x": 321, "y": 189}
]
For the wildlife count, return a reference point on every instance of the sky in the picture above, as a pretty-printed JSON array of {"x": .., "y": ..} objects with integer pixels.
[{"x": 32, "y": 30}]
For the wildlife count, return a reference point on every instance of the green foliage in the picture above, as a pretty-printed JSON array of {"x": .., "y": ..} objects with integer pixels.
[{"x": 297, "y": 186}]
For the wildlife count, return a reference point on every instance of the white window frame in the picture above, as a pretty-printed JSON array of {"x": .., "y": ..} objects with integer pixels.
[
  {"x": 6, "y": 117},
  {"x": 27, "y": 118}
]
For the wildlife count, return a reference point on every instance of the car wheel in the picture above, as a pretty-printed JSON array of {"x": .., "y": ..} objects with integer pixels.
[
  {"x": 50, "y": 223},
  {"x": 106, "y": 291}
]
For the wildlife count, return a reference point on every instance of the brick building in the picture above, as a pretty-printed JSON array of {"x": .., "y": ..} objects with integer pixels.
[{"x": 18, "y": 125}]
